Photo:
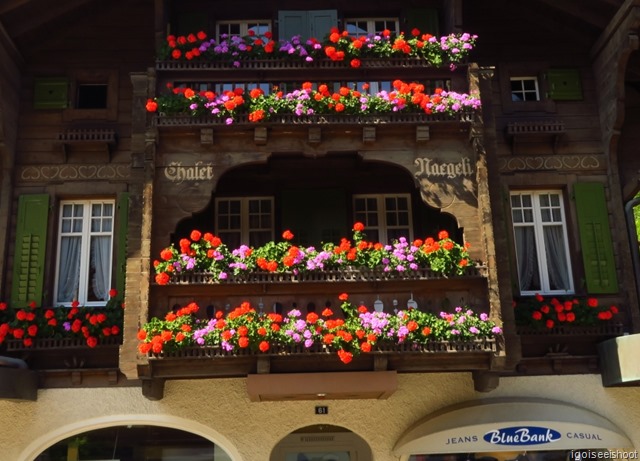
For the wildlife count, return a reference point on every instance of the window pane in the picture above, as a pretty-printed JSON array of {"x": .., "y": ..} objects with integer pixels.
[
  {"x": 403, "y": 219},
  {"x": 99, "y": 282},
  {"x": 223, "y": 207},
  {"x": 528, "y": 216},
  {"x": 235, "y": 206},
  {"x": 526, "y": 200},
  {"x": 69, "y": 269},
  {"x": 544, "y": 200},
  {"x": 556, "y": 255},
  {"x": 67, "y": 211},
  {"x": 545, "y": 215},
  {"x": 527, "y": 258}
]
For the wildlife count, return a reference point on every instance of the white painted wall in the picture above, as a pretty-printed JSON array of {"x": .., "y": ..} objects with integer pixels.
[{"x": 220, "y": 410}]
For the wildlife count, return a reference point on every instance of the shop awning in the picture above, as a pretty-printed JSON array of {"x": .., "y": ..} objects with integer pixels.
[{"x": 511, "y": 424}]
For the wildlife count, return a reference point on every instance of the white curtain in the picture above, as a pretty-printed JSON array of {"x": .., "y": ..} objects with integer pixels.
[
  {"x": 556, "y": 258},
  {"x": 69, "y": 270},
  {"x": 527, "y": 258},
  {"x": 100, "y": 266}
]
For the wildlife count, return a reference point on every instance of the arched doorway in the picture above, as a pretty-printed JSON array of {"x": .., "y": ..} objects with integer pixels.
[
  {"x": 322, "y": 442},
  {"x": 133, "y": 442},
  {"x": 318, "y": 199}
]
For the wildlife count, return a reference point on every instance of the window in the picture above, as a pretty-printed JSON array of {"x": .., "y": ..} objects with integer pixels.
[
  {"x": 244, "y": 220},
  {"x": 524, "y": 89},
  {"x": 241, "y": 28},
  {"x": 92, "y": 96},
  {"x": 386, "y": 217},
  {"x": 85, "y": 246},
  {"x": 371, "y": 26},
  {"x": 542, "y": 250}
]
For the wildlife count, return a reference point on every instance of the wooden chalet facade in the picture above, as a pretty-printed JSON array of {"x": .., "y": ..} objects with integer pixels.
[{"x": 99, "y": 176}]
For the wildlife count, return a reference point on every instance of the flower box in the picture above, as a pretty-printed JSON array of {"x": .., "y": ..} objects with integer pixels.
[
  {"x": 434, "y": 347},
  {"x": 66, "y": 353},
  {"x": 353, "y": 275},
  {"x": 566, "y": 340},
  {"x": 60, "y": 343},
  {"x": 612, "y": 330}
]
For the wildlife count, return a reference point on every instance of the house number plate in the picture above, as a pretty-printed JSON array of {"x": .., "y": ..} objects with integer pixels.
[{"x": 322, "y": 410}]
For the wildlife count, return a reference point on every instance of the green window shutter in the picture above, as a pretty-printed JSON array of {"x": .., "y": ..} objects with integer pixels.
[
  {"x": 595, "y": 238},
  {"x": 307, "y": 24},
  {"x": 564, "y": 84},
  {"x": 51, "y": 93},
  {"x": 292, "y": 23},
  {"x": 31, "y": 239},
  {"x": 424, "y": 19},
  {"x": 123, "y": 226},
  {"x": 321, "y": 22}
]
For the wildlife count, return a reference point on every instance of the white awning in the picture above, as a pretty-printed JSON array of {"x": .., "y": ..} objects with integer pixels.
[{"x": 510, "y": 424}]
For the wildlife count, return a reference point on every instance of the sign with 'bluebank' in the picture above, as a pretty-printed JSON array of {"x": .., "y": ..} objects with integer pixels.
[{"x": 522, "y": 435}]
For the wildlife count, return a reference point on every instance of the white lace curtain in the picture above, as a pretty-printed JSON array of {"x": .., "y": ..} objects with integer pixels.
[
  {"x": 556, "y": 259},
  {"x": 69, "y": 269}
]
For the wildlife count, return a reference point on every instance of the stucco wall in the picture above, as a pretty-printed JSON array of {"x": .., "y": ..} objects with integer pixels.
[{"x": 221, "y": 411}]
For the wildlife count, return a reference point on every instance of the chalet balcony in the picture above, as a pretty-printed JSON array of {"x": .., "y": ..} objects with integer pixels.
[
  {"x": 286, "y": 309},
  {"x": 383, "y": 80}
]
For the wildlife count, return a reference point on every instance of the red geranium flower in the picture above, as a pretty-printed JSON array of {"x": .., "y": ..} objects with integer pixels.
[{"x": 287, "y": 235}]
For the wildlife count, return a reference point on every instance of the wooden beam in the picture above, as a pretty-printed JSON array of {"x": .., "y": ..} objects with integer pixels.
[
  {"x": 9, "y": 5},
  {"x": 579, "y": 10},
  {"x": 53, "y": 11},
  {"x": 7, "y": 43}
]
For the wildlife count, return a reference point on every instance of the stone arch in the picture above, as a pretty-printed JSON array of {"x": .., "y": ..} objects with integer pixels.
[
  {"x": 322, "y": 442},
  {"x": 38, "y": 445}
]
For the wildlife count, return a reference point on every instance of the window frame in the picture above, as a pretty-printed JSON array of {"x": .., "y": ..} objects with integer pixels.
[
  {"x": 85, "y": 251},
  {"x": 381, "y": 211},
  {"x": 245, "y": 230},
  {"x": 106, "y": 77},
  {"x": 523, "y": 91},
  {"x": 371, "y": 25},
  {"x": 244, "y": 27},
  {"x": 538, "y": 228},
  {"x": 537, "y": 70}
]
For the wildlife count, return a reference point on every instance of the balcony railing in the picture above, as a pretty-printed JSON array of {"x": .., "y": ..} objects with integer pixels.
[{"x": 176, "y": 121}]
